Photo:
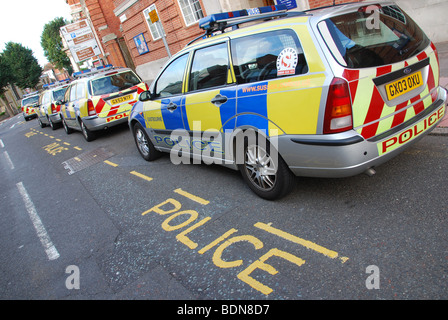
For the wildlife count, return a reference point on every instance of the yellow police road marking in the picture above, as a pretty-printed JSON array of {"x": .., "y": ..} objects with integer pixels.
[
  {"x": 308, "y": 244},
  {"x": 192, "y": 197},
  {"x": 137, "y": 174},
  {"x": 110, "y": 163}
]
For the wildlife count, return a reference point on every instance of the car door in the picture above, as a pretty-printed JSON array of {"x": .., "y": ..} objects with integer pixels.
[
  {"x": 68, "y": 109},
  {"x": 163, "y": 113},
  {"x": 210, "y": 103}
]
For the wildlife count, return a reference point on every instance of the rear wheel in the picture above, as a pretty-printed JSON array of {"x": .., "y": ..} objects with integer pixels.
[
  {"x": 268, "y": 176},
  {"x": 66, "y": 128},
  {"x": 144, "y": 144},
  {"x": 41, "y": 124},
  {"x": 52, "y": 125},
  {"x": 88, "y": 135}
]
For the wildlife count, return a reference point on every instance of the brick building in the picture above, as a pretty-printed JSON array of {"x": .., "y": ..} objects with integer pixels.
[{"x": 129, "y": 37}]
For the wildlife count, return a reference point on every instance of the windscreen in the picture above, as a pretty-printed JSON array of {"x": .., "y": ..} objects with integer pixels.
[
  {"x": 114, "y": 82},
  {"x": 371, "y": 38}
]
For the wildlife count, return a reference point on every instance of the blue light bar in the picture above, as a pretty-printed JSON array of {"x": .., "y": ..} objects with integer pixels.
[
  {"x": 84, "y": 72},
  {"x": 210, "y": 22}
]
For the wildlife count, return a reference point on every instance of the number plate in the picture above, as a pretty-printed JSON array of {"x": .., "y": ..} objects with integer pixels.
[
  {"x": 404, "y": 85},
  {"x": 121, "y": 99}
]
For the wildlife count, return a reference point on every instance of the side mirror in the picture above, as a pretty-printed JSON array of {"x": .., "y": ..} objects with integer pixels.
[{"x": 145, "y": 96}]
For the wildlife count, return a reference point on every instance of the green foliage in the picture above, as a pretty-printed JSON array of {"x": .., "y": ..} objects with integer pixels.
[
  {"x": 51, "y": 42},
  {"x": 5, "y": 74},
  {"x": 22, "y": 68}
]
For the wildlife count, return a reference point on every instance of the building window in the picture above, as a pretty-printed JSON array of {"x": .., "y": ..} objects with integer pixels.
[
  {"x": 153, "y": 28},
  {"x": 191, "y": 10}
]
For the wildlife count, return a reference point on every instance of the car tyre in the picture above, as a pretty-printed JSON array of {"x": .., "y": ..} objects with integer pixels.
[
  {"x": 270, "y": 179},
  {"x": 66, "y": 128},
  {"x": 144, "y": 145},
  {"x": 88, "y": 135},
  {"x": 52, "y": 125},
  {"x": 41, "y": 124}
]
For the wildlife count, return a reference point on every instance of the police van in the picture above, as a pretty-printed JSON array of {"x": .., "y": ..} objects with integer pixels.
[{"x": 330, "y": 92}]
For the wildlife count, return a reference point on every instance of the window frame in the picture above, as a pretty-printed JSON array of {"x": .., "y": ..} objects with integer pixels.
[
  {"x": 149, "y": 23},
  {"x": 156, "y": 82},
  {"x": 229, "y": 67},
  {"x": 190, "y": 6}
]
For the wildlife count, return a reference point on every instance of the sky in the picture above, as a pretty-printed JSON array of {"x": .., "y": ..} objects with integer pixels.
[{"x": 23, "y": 21}]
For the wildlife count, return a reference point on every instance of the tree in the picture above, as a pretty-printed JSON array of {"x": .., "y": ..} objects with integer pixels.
[
  {"x": 24, "y": 70},
  {"x": 51, "y": 42},
  {"x": 5, "y": 74}
]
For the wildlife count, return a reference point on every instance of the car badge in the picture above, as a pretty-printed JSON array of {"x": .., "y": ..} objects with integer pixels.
[{"x": 407, "y": 71}]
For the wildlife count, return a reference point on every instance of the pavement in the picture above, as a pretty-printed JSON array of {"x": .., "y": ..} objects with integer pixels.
[{"x": 442, "y": 49}]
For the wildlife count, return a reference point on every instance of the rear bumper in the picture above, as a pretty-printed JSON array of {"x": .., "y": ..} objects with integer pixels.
[
  {"x": 55, "y": 118},
  {"x": 95, "y": 123},
  {"x": 348, "y": 154}
]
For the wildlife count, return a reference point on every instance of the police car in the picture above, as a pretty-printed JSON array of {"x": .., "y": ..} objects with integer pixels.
[
  {"x": 99, "y": 99},
  {"x": 331, "y": 92},
  {"x": 48, "y": 111},
  {"x": 29, "y": 104}
]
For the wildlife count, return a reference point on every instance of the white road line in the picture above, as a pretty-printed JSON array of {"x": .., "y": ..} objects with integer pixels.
[
  {"x": 44, "y": 238},
  {"x": 1, "y": 144},
  {"x": 8, "y": 159}
]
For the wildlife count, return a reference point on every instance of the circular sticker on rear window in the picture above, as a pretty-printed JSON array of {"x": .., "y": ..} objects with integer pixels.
[{"x": 287, "y": 62}]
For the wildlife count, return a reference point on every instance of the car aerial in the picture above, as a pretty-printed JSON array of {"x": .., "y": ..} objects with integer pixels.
[
  {"x": 99, "y": 99},
  {"x": 30, "y": 102},
  {"x": 329, "y": 92},
  {"x": 48, "y": 111}
]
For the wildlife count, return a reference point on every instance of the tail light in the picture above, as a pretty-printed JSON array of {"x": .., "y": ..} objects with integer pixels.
[
  {"x": 91, "y": 108},
  {"x": 338, "y": 111},
  {"x": 53, "y": 108}
]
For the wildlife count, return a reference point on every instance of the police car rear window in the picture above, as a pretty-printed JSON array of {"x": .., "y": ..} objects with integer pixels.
[
  {"x": 373, "y": 36},
  {"x": 114, "y": 83},
  {"x": 30, "y": 100}
]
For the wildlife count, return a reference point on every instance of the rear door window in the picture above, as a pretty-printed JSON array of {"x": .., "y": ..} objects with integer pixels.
[
  {"x": 371, "y": 38},
  {"x": 210, "y": 67},
  {"x": 267, "y": 55}
]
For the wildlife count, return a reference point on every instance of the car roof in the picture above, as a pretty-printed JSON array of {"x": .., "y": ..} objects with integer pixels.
[{"x": 300, "y": 16}]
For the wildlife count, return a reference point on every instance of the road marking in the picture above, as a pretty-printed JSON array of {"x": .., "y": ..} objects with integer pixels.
[
  {"x": 308, "y": 244},
  {"x": 50, "y": 249},
  {"x": 1, "y": 143},
  {"x": 192, "y": 197},
  {"x": 111, "y": 163},
  {"x": 135, "y": 173},
  {"x": 8, "y": 159}
]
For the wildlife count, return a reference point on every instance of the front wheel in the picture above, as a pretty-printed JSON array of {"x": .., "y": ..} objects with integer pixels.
[
  {"x": 268, "y": 176},
  {"x": 144, "y": 144}
]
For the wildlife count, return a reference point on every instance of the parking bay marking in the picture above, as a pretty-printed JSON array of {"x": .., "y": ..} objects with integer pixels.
[
  {"x": 171, "y": 208},
  {"x": 50, "y": 249}
]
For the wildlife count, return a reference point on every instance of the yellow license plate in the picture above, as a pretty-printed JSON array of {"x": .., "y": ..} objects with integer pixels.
[
  {"x": 121, "y": 99},
  {"x": 404, "y": 85}
]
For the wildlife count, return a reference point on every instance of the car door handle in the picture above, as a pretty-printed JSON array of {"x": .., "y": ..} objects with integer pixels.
[
  {"x": 219, "y": 100},
  {"x": 171, "y": 107}
]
